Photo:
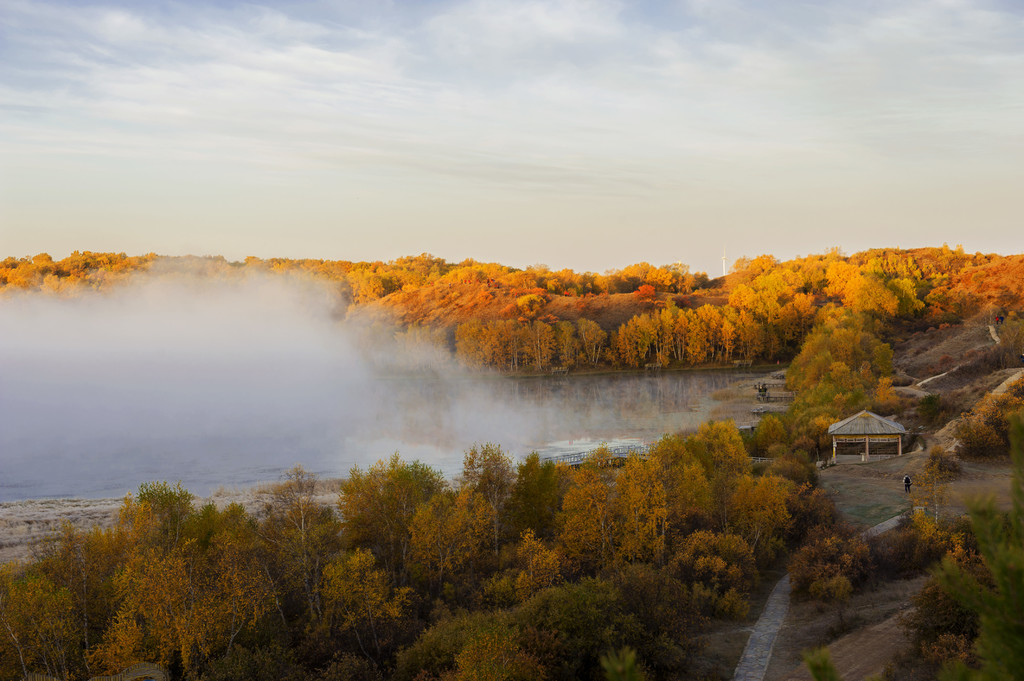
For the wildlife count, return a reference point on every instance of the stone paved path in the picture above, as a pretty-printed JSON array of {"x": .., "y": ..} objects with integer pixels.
[{"x": 754, "y": 661}]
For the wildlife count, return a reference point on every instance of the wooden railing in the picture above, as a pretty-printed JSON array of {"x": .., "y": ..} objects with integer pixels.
[{"x": 618, "y": 454}]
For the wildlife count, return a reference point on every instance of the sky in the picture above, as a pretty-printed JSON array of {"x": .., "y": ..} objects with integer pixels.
[{"x": 573, "y": 133}]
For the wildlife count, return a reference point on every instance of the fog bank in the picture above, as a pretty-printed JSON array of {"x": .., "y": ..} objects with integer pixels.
[{"x": 232, "y": 381}]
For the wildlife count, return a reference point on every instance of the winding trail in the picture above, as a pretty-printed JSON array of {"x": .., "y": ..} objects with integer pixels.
[
  {"x": 932, "y": 378},
  {"x": 758, "y": 653},
  {"x": 1001, "y": 388}
]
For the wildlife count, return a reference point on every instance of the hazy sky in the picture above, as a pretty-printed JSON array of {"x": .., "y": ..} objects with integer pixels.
[{"x": 572, "y": 133}]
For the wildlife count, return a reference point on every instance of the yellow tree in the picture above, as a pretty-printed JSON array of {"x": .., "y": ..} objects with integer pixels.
[
  {"x": 720, "y": 569},
  {"x": 698, "y": 338},
  {"x": 487, "y": 471},
  {"x": 592, "y": 338},
  {"x": 184, "y": 604},
  {"x": 728, "y": 338},
  {"x": 686, "y": 484},
  {"x": 719, "y": 448},
  {"x": 84, "y": 563},
  {"x": 711, "y": 320},
  {"x": 37, "y": 622},
  {"x": 377, "y": 507},
  {"x": 448, "y": 533},
  {"x": 494, "y": 654},
  {"x": 359, "y": 598},
  {"x": 586, "y": 534},
  {"x": 680, "y": 334},
  {"x": 540, "y": 567},
  {"x": 302, "y": 535},
  {"x": 759, "y": 514},
  {"x": 641, "y": 511},
  {"x": 536, "y": 495},
  {"x": 749, "y": 335},
  {"x": 470, "y": 344},
  {"x": 930, "y": 490},
  {"x": 153, "y": 589},
  {"x": 239, "y": 587},
  {"x": 541, "y": 344},
  {"x": 567, "y": 342}
]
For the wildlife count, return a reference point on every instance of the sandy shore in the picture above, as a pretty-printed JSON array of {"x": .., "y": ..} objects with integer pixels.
[{"x": 24, "y": 524}]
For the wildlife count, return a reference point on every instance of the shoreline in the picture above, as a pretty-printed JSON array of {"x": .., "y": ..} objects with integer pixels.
[{"x": 26, "y": 523}]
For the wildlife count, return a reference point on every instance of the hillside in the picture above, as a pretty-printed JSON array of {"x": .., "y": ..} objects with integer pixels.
[{"x": 447, "y": 305}]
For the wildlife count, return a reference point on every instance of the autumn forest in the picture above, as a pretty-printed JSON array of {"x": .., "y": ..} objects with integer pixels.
[{"x": 518, "y": 568}]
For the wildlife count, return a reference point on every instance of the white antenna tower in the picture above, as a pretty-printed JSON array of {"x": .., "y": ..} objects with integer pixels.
[{"x": 723, "y": 262}]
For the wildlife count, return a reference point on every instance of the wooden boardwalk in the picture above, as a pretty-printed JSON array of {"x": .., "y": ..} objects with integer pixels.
[{"x": 618, "y": 454}]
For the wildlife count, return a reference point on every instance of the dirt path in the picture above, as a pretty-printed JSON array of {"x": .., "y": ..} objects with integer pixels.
[
  {"x": 992, "y": 332},
  {"x": 863, "y": 653},
  {"x": 1001, "y": 388},
  {"x": 932, "y": 378}
]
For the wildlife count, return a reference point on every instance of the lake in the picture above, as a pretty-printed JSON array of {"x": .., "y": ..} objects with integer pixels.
[
  {"x": 231, "y": 382},
  {"x": 93, "y": 430}
]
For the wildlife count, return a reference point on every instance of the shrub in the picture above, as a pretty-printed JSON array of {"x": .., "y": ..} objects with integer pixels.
[
  {"x": 795, "y": 466},
  {"x": 933, "y": 409},
  {"x": 259, "y": 664},
  {"x": 912, "y": 547},
  {"x": 435, "y": 651},
  {"x": 835, "y": 589},
  {"x": 721, "y": 570},
  {"x": 567, "y": 628},
  {"x": 809, "y": 508},
  {"x": 829, "y": 553},
  {"x": 978, "y": 440},
  {"x": 664, "y": 608},
  {"x": 984, "y": 433},
  {"x": 349, "y": 667},
  {"x": 937, "y": 616},
  {"x": 495, "y": 654},
  {"x": 500, "y": 590},
  {"x": 770, "y": 431},
  {"x": 942, "y": 464}
]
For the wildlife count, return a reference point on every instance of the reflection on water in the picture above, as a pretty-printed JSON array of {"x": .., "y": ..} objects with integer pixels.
[
  {"x": 107, "y": 445},
  {"x": 437, "y": 420},
  {"x": 601, "y": 406}
]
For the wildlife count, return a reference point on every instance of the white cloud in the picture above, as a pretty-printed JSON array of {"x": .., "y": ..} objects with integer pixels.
[{"x": 585, "y": 97}]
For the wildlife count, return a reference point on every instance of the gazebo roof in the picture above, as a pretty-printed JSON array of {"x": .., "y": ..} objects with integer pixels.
[{"x": 865, "y": 423}]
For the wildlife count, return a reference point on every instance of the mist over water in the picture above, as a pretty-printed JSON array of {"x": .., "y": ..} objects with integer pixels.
[{"x": 231, "y": 382}]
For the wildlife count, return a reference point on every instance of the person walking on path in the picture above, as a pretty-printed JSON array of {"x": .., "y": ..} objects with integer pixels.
[{"x": 906, "y": 483}]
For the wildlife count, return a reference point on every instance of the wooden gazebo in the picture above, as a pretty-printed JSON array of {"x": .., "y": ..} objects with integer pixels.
[{"x": 869, "y": 428}]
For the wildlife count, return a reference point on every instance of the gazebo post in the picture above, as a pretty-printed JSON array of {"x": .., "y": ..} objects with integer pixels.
[
  {"x": 899, "y": 445},
  {"x": 867, "y": 448},
  {"x": 833, "y": 449}
]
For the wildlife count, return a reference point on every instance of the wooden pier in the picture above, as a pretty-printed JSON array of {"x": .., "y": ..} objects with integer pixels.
[{"x": 778, "y": 396}]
